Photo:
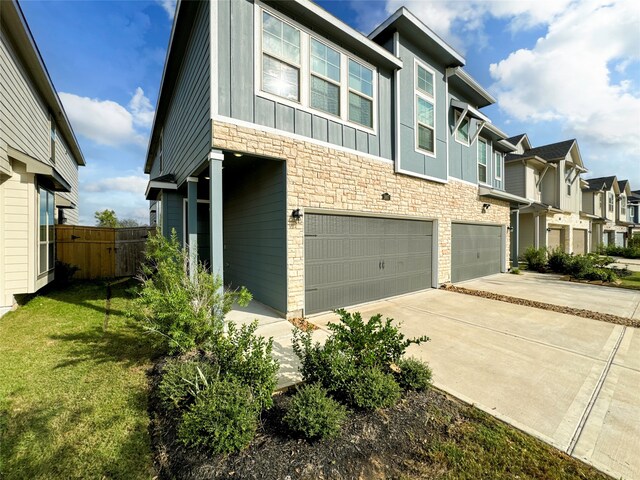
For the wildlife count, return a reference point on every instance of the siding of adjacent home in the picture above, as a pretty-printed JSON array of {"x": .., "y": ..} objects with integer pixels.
[
  {"x": 237, "y": 64},
  {"x": 515, "y": 179},
  {"x": 187, "y": 127}
]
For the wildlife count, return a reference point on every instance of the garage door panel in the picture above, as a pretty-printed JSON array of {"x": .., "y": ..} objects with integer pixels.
[
  {"x": 476, "y": 251},
  {"x": 580, "y": 241},
  {"x": 350, "y": 260}
]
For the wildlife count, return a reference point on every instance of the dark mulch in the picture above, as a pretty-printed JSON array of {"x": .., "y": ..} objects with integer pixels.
[
  {"x": 578, "y": 312},
  {"x": 427, "y": 435}
]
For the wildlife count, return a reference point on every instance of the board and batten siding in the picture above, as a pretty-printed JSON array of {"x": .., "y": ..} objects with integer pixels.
[
  {"x": 24, "y": 123},
  {"x": 515, "y": 179},
  {"x": 410, "y": 159},
  {"x": 255, "y": 229},
  {"x": 237, "y": 90},
  {"x": 187, "y": 126}
]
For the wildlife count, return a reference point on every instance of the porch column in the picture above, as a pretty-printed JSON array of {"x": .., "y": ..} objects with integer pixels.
[
  {"x": 216, "y": 157},
  {"x": 192, "y": 222},
  {"x": 536, "y": 231},
  {"x": 515, "y": 237}
]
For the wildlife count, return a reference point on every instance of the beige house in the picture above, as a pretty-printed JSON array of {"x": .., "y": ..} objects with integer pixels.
[
  {"x": 39, "y": 159},
  {"x": 549, "y": 177}
]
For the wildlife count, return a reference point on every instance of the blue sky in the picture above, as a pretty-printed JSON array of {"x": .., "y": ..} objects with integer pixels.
[{"x": 559, "y": 68}]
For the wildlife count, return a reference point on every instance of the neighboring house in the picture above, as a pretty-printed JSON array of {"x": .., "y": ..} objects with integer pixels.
[
  {"x": 623, "y": 220},
  {"x": 548, "y": 176},
  {"x": 634, "y": 211},
  {"x": 39, "y": 159},
  {"x": 599, "y": 199},
  {"x": 355, "y": 168}
]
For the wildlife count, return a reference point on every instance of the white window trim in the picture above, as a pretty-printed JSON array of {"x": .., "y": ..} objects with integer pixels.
[
  {"x": 328, "y": 80},
  {"x": 495, "y": 164},
  {"x": 420, "y": 94},
  {"x": 50, "y": 223},
  {"x": 489, "y": 155},
  {"x": 305, "y": 73},
  {"x": 457, "y": 115}
]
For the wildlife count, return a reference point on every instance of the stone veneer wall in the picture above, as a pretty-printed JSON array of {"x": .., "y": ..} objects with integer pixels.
[{"x": 320, "y": 177}]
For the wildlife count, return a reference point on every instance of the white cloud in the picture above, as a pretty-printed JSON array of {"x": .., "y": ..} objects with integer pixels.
[
  {"x": 566, "y": 76},
  {"x": 107, "y": 122},
  {"x": 131, "y": 184},
  {"x": 169, "y": 6}
]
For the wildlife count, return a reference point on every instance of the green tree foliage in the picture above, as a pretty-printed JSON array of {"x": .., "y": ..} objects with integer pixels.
[{"x": 106, "y": 218}]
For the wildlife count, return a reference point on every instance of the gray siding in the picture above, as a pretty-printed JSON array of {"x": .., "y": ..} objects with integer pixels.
[
  {"x": 410, "y": 159},
  {"x": 515, "y": 179},
  {"x": 236, "y": 90},
  {"x": 172, "y": 214},
  {"x": 68, "y": 168},
  {"x": 255, "y": 229},
  {"x": 187, "y": 127}
]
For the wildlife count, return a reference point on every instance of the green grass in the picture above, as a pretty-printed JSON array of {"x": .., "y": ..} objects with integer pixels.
[
  {"x": 73, "y": 394},
  {"x": 632, "y": 281}
]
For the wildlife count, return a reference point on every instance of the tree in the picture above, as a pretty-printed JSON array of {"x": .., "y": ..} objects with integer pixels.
[
  {"x": 128, "y": 222},
  {"x": 106, "y": 218}
]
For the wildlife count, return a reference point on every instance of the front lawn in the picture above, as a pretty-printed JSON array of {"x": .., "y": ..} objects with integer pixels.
[
  {"x": 632, "y": 281},
  {"x": 73, "y": 387}
]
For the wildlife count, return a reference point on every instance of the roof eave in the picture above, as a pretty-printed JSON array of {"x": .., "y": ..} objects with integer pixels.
[{"x": 469, "y": 81}]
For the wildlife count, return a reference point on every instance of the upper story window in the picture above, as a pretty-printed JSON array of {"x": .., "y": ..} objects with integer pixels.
[
  {"x": 483, "y": 154},
  {"x": 325, "y": 78},
  {"x": 360, "y": 94},
  {"x": 53, "y": 140},
  {"x": 498, "y": 159},
  {"x": 311, "y": 73},
  {"x": 623, "y": 205},
  {"x": 462, "y": 133},
  {"x": 569, "y": 189},
  {"x": 610, "y": 202},
  {"x": 425, "y": 109},
  {"x": 280, "y": 58}
]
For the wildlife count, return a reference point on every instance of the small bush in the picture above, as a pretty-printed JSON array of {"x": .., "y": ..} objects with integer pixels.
[
  {"x": 184, "y": 312},
  {"x": 182, "y": 381},
  {"x": 314, "y": 414},
  {"x": 373, "y": 389},
  {"x": 223, "y": 419},
  {"x": 414, "y": 375},
  {"x": 599, "y": 274},
  {"x": 559, "y": 261},
  {"x": 634, "y": 241},
  {"x": 246, "y": 357},
  {"x": 516, "y": 271},
  {"x": 536, "y": 258}
]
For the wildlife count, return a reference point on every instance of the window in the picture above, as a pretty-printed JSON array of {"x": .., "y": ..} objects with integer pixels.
[
  {"x": 313, "y": 74},
  {"x": 483, "y": 150},
  {"x": 46, "y": 235},
  {"x": 462, "y": 134},
  {"x": 499, "y": 158},
  {"x": 568, "y": 189},
  {"x": 610, "y": 202},
  {"x": 360, "y": 94},
  {"x": 53, "y": 140},
  {"x": 280, "y": 58},
  {"x": 325, "y": 78},
  {"x": 623, "y": 205},
  {"x": 425, "y": 110}
]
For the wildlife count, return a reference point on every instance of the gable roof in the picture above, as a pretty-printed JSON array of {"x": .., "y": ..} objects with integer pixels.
[
  {"x": 24, "y": 42},
  {"x": 553, "y": 151},
  {"x": 516, "y": 138},
  {"x": 623, "y": 185},
  {"x": 600, "y": 183}
]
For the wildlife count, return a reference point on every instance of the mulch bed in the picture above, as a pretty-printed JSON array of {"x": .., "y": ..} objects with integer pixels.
[{"x": 578, "y": 312}]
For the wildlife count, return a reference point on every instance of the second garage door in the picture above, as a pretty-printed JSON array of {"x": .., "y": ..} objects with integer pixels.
[
  {"x": 476, "y": 251},
  {"x": 579, "y": 241},
  {"x": 351, "y": 260}
]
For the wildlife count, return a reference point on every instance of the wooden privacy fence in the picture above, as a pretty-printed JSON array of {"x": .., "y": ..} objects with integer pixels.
[{"x": 101, "y": 252}]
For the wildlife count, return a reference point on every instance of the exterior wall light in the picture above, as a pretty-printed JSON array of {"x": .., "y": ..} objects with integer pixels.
[
  {"x": 485, "y": 207},
  {"x": 296, "y": 215},
  {"x": 386, "y": 196},
  {"x": 548, "y": 229},
  {"x": 236, "y": 154}
]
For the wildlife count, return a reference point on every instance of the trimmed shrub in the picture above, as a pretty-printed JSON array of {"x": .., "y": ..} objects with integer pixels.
[
  {"x": 246, "y": 357},
  {"x": 184, "y": 312},
  {"x": 414, "y": 374},
  {"x": 183, "y": 380},
  {"x": 373, "y": 389},
  {"x": 634, "y": 241},
  {"x": 559, "y": 261},
  {"x": 313, "y": 414},
  {"x": 599, "y": 274},
  {"x": 515, "y": 271},
  {"x": 536, "y": 258},
  {"x": 223, "y": 419}
]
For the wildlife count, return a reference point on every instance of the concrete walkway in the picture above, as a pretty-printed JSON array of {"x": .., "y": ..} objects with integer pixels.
[
  {"x": 548, "y": 288},
  {"x": 570, "y": 381},
  {"x": 632, "y": 264}
]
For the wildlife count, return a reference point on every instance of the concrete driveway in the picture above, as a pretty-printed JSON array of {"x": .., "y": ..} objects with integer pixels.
[
  {"x": 570, "y": 381},
  {"x": 548, "y": 288}
]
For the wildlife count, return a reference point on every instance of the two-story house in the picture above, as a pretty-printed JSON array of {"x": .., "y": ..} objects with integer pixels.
[
  {"x": 355, "y": 168},
  {"x": 39, "y": 159},
  {"x": 634, "y": 212},
  {"x": 599, "y": 199},
  {"x": 548, "y": 176},
  {"x": 623, "y": 220}
]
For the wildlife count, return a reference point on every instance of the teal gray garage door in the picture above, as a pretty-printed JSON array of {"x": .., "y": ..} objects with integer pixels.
[
  {"x": 476, "y": 251},
  {"x": 350, "y": 260}
]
